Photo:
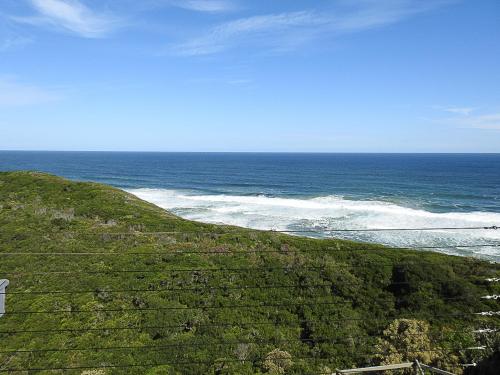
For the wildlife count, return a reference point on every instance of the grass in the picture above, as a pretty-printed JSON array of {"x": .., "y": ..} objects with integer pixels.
[{"x": 206, "y": 298}]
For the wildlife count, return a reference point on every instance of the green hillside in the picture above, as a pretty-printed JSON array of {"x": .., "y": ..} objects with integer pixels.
[{"x": 207, "y": 299}]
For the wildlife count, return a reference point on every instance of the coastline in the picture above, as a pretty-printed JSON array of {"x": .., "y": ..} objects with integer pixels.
[{"x": 336, "y": 217}]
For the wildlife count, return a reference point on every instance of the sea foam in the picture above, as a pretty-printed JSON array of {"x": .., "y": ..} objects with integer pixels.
[{"x": 324, "y": 214}]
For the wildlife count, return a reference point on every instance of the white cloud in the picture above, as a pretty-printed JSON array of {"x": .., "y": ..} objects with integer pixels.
[
  {"x": 222, "y": 36},
  {"x": 70, "y": 15},
  {"x": 288, "y": 30},
  {"x": 240, "y": 81},
  {"x": 367, "y": 14},
  {"x": 486, "y": 122},
  {"x": 11, "y": 42},
  {"x": 211, "y": 6},
  {"x": 466, "y": 117},
  {"x": 465, "y": 111},
  {"x": 14, "y": 93}
]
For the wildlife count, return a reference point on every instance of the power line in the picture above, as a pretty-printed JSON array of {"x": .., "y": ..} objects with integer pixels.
[
  {"x": 190, "y": 289},
  {"x": 159, "y": 347},
  {"x": 175, "y": 270},
  {"x": 208, "y": 269},
  {"x": 212, "y": 307},
  {"x": 211, "y": 362},
  {"x": 319, "y": 340},
  {"x": 492, "y": 227},
  {"x": 237, "y": 270},
  {"x": 201, "y": 287},
  {"x": 204, "y": 288},
  {"x": 241, "y": 325},
  {"x": 231, "y": 252},
  {"x": 208, "y": 325},
  {"x": 322, "y": 230},
  {"x": 232, "y": 270}
]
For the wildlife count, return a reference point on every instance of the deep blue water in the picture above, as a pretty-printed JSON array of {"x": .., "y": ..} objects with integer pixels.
[
  {"x": 438, "y": 182},
  {"x": 290, "y": 191}
]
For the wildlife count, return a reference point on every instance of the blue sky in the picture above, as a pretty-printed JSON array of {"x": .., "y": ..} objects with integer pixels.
[{"x": 260, "y": 75}]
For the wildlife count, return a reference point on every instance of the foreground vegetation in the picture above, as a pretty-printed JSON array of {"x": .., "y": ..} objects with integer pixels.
[{"x": 207, "y": 299}]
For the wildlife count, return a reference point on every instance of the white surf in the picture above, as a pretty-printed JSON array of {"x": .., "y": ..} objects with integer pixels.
[{"x": 322, "y": 215}]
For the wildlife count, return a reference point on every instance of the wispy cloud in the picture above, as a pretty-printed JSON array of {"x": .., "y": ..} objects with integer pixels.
[
  {"x": 465, "y": 111},
  {"x": 211, "y": 6},
  {"x": 240, "y": 81},
  {"x": 72, "y": 16},
  {"x": 257, "y": 27},
  {"x": 291, "y": 29},
  {"x": 11, "y": 42},
  {"x": 486, "y": 121},
  {"x": 14, "y": 93},
  {"x": 368, "y": 14},
  {"x": 467, "y": 117}
]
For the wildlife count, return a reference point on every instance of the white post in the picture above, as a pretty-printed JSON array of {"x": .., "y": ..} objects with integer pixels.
[
  {"x": 3, "y": 285},
  {"x": 396, "y": 366},
  {"x": 419, "y": 369},
  {"x": 435, "y": 370}
]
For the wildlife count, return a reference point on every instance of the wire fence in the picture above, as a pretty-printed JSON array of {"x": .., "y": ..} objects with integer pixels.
[
  {"x": 316, "y": 340},
  {"x": 486, "y": 321},
  {"x": 242, "y": 325},
  {"x": 318, "y": 230},
  {"x": 216, "y": 360},
  {"x": 230, "y": 252}
]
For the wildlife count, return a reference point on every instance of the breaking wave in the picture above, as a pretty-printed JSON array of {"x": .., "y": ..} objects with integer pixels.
[{"x": 323, "y": 214}]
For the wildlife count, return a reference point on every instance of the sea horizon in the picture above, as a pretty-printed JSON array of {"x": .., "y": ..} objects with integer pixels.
[{"x": 261, "y": 152}]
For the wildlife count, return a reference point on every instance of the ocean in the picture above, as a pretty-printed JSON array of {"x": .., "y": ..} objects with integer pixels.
[{"x": 307, "y": 192}]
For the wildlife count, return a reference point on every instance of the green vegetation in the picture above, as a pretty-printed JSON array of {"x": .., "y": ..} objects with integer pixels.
[{"x": 339, "y": 304}]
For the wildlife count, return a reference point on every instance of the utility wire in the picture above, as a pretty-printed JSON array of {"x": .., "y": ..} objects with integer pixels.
[
  {"x": 319, "y": 340},
  {"x": 236, "y": 270},
  {"x": 208, "y": 269},
  {"x": 231, "y": 252},
  {"x": 240, "y": 325},
  {"x": 211, "y": 362},
  {"x": 209, "y": 325},
  {"x": 322, "y": 230},
  {"x": 179, "y": 345},
  {"x": 207, "y": 307},
  {"x": 207, "y": 288},
  {"x": 198, "y": 269},
  {"x": 203, "y": 288},
  {"x": 182, "y": 289}
]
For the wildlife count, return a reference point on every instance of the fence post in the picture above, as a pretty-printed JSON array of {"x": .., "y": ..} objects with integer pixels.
[
  {"x": 435, "y": 370},
  {"x": 419, "y": 369},
  {"x": 3, "y": 285}
]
